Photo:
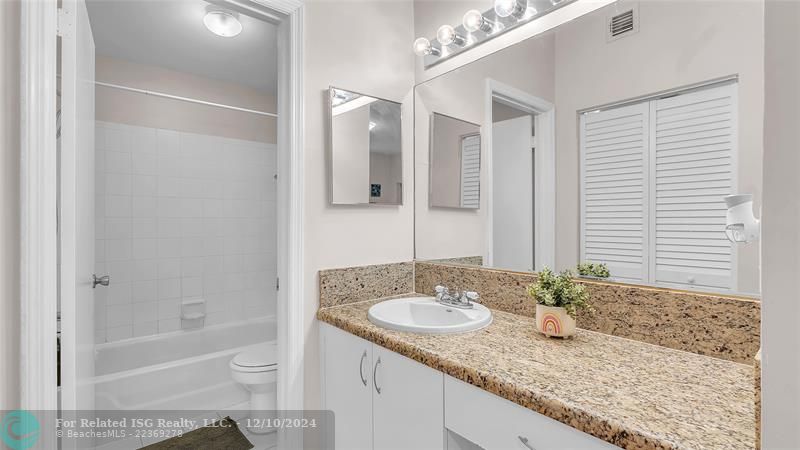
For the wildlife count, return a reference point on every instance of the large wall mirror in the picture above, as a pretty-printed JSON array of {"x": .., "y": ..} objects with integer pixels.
[
  {"x": 614, "y": 148},
  {"x": 365, "y": 157}
]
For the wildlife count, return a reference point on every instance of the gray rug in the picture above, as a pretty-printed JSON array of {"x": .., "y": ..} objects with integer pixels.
[{"x": 225, "y": 435}]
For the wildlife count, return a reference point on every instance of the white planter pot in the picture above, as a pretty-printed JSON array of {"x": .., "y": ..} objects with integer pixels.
[{"x": 553, "y": 321}]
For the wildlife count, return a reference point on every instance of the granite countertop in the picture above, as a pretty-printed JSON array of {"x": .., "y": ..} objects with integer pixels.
[{"x": 629, "y": 393}]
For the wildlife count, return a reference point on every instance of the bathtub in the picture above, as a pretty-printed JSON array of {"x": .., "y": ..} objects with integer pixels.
[{"x": 182, "y": 370}]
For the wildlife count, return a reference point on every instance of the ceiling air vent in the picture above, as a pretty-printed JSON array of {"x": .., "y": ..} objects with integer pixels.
[{"x": 623, "y": 23}]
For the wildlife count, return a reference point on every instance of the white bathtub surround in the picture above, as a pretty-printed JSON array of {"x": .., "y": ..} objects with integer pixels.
[
  {"x": 178, "y": 370},
  {"x": 182, "y": 216},
  {"x": 183, "y": 371}
]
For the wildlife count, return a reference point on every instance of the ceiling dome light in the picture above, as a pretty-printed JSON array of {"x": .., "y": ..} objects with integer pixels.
[
  {"x": 473, "y": 21},
  {"x": 222, "y": 23},
  {"x": 423, "y": 47},
  {"x": 447, "y": 35},
  {"x": 505, "y": 8}
]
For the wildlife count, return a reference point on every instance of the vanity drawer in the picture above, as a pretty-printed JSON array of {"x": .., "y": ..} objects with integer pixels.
[{"x": 496, "y": 423}]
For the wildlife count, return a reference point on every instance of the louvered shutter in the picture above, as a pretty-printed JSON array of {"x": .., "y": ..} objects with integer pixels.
[
  {"x": 470, "y": 171},
  {"x": 614, "y": 190},
  {"x": 694, "y": 146}
]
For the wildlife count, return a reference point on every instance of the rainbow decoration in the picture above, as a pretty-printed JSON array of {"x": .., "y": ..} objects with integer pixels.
[{"x": 550, "y": 324}]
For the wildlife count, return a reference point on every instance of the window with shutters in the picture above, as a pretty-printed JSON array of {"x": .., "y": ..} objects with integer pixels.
[{"x": 653, "y": 178}]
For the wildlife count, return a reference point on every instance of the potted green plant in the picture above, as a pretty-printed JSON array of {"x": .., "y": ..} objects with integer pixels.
[
  {"x": 593, "y": 270},
  {"x": 558, "y": 299}
]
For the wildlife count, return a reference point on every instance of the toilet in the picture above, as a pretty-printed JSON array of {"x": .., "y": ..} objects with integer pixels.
[{"x": 256, "y": 368}]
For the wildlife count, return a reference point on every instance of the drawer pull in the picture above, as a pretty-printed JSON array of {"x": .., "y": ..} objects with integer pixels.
[
  {"x": 361, "y": 368},
  {"x": 375, "y": 375},
  {"x": 524, "y": 441}
]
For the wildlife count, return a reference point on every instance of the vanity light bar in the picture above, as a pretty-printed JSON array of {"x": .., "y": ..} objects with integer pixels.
[{"x": 477, "y": 28}]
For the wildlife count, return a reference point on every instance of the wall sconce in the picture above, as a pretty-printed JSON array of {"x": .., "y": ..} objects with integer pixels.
[
  {"x": 741, "y": 224},
  {"x": 478, "y": 27}
]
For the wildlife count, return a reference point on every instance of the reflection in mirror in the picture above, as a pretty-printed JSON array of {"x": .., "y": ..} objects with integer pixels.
[
  {"x": 455, "y": 162},
  {"x": 365, "y": 149},
  {"x": 611, "y": 146}
]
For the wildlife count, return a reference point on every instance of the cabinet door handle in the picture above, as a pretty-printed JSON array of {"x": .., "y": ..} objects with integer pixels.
[
  {"x": 524, "y": 441},
  {"x": 361, "y": 368},
  {"x": 374, "y": 375}
]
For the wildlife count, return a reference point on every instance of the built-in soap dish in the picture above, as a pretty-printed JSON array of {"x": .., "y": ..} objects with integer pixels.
[{"x": 193, "y": 313}]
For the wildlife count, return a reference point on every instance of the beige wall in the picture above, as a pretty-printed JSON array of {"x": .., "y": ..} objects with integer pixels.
[
  {"x": 370, "y": 54},
  {"x": 445, "y": 160},
  {"x": 9, "y": 204},
  {"x": 716, "y": 39},
  {"x": 351, "y": 160},
  {"x": 780, "y": 335},
  {"x": 114, "y": 105}
]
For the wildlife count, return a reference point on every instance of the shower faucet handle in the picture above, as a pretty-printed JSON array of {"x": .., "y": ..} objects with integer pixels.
[{"x": 102, "y": 281}]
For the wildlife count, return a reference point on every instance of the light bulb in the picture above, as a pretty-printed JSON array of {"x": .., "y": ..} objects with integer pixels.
[
  {"x": 447, "y": 35},
  {"x": 423, "y": 47},
  {"x": 222, "y": 23},
  {"x": 473, "y": 21},
  {"x": 505, "y": 8}
]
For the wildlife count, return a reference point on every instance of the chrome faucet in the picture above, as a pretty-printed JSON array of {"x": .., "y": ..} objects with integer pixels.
[{"x": 463, "y": 300}]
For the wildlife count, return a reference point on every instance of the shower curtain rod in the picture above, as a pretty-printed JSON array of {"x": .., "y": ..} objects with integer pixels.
[{"x": 183, "y": 99}]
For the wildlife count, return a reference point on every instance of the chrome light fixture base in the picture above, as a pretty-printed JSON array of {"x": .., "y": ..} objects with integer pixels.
[{"x": 500, "y": 25}]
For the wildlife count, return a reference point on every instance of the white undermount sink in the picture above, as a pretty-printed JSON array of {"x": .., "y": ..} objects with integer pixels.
[{"x": 425, "y": 315}]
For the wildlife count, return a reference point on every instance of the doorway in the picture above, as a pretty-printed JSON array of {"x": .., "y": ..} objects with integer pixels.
[
  {"x": 519, "y": 133},
  {"x": 514, "y": 208},
  {"x": 63, "y": 269}
]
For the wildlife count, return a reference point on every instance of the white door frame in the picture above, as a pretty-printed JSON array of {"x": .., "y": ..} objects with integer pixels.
[
  {"x": 544, "y": 178},
  {"x": 38, "y": 190},
  {"x": 38, "y": 173}
]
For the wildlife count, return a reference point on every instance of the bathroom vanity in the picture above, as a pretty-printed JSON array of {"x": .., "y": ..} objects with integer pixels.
[
  {"x": 571, "y": 146},
  {"x": 506, "y": 386}
]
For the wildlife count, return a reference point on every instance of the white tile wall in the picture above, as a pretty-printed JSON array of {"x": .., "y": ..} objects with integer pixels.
[{"x": 182, "y": 215}]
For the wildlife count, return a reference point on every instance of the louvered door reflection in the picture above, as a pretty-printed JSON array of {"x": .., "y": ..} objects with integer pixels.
[
  {"x": 615, "y": 190},
  {"x": 654, "y": 175},
  {"x": 694, "y": 145},
  {"x": 470, "y": 171}
]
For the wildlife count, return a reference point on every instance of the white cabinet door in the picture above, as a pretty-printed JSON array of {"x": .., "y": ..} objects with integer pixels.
[
  {"x": 347, "y": 386},
  {"x": 408, "y": 403}
]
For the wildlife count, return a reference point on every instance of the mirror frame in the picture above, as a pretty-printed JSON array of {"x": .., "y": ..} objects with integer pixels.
[{"x": 329, "y": 149}]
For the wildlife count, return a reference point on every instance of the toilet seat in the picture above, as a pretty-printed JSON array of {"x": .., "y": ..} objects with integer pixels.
[{"x": 256, "y": 358}]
